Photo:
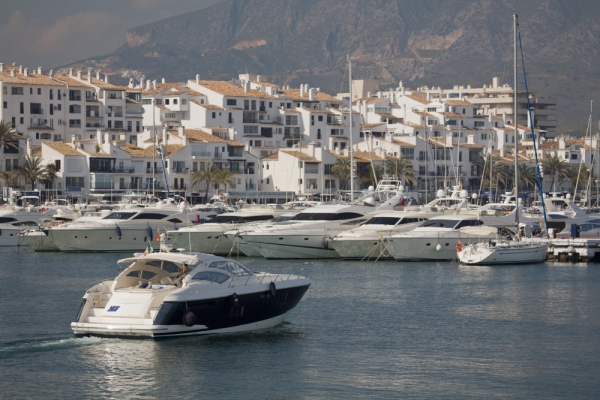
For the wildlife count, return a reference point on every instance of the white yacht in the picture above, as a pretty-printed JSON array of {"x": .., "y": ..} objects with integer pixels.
[
  {"x": 122, "y": 230},
  {"x": 208, "y": 237},
  {"x": 370, "y": 239},
  {"x": 435, "y": 239},
  {"x": 12, "y": 223},
  {"x": 306, "y": 235},
  {"x": 160, "y": 295}
]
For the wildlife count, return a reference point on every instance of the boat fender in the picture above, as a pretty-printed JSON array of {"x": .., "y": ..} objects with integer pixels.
[
  {"x": 273, "y": 289},
  {"x": 197, "y": 218},
  {"x": 158, "y": 237},
  {"x": 150, "y": 231},
  {"x": 459, "y": 247},
  {"x": 235, "y": 301},
  {"x": 119, "y": 230},
  {"x": 438, "y": 247},
  {"x": 189, "y": 318}
]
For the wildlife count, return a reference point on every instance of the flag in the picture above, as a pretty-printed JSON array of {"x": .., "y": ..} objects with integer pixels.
[{"x": 149, "y": 249}]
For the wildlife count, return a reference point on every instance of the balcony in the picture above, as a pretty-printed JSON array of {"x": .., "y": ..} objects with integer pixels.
[
  {"x": 202, "y": 154},
  {"x": 113, "y": 96},
  {"x": 250, "y": 118},
  {"x": 74, "y": 98},
  {"x": 124, "y": 170},
  {"x": 179, "y": 170},
  {"x": 93, "y": 114},
  {"x": 38, "y": 123},
  {"x": 235, "y": 154},
  {"x": 133, "y": 112},
  {"x": 101, "y": 169},
  {"x": 156, "y": 170},
  {"x": 250, "y": 185},
  {"x": 74, "y": 125},
  {"x": 90, "y": 125}
]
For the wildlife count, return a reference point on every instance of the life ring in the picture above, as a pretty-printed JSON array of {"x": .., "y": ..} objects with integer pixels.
[
  {"x": 43, "y": 210},
  {"x": 459, "y": 247}
]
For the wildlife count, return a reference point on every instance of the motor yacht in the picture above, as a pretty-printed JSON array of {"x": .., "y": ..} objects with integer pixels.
[
  {"x": 160, "y": 295},
  {"x": 121, "y": 230},
  {"x": 306, "y": 235},
  {"x": 208, "y": 237},
  {"x": 370, "y": 239},
  {"x": 434, "y": 239}
]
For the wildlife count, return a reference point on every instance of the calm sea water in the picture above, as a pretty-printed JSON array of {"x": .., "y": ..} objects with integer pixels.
[{"x": 364, "y": 330}]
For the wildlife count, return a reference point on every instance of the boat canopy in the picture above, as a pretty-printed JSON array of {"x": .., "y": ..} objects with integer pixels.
[{"x": 483, "y": 230}]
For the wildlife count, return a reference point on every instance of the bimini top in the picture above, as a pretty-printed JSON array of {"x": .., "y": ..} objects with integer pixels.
[{"x": 173, "y": 257}]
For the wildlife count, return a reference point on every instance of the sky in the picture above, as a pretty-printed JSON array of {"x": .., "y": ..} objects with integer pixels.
[{"x": 51, "y": 33}]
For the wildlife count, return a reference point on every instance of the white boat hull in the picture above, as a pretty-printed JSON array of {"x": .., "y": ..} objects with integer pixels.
[
  {"x": 9, "y": 237},
  {"x": 303, "y": 245},
  {"x": 352, "y": 248},
  {"x": 102, "y": 239},
  {"x": 39, "y": 241},
  {"x": 503, "y": 254},
  {"x": 202, "y": 242},
  {"x": 420, "y": 248}
]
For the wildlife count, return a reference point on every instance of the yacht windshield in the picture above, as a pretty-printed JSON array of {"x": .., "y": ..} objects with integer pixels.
[
  {"x": 230, "y": 266},
  {"x": 281, "y": 219},
  {"x": 120, "y": 215},
  {"x": 325, "y": 216},
  {"x": 231, "y": 218},
  {"x": 439, "y": 223},
  {"x": 383, "y": 221}
]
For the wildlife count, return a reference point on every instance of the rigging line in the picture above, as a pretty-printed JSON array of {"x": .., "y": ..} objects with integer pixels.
[
  {"x": 537, "y": 164},
  {"x": 588, "y": 129}
]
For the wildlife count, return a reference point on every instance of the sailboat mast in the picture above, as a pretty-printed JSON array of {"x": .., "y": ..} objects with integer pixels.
[
  {"x": 516, "y": 119},
  {"x": 351, "y": 122}
]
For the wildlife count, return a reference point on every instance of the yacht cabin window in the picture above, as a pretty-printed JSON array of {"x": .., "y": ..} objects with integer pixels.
[
  {"x": 5, "y": 220},
  {"x": 120, "y": 215},
  {"x": 150, "y": 216},
  {"x": 449, "y": 223},
  {"x": 325, "y": 216},
  {"x": 230, "y": 266},
  {"x": 211, "y": 276}
]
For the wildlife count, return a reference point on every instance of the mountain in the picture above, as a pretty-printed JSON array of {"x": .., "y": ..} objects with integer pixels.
[{"x": 426, "y": 42}]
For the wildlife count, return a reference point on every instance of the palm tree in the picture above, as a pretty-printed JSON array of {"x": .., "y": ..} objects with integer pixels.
[
  {"x": 554, "y": 165},
  {"x": 8, "y": 177},
  {"x": 8, "y": 134},
  {"x": 371, "y": 175},
  {"x": 32, "y": 170},
  {"x": 341, "y": 170},
  {"x": 401, "y": 169},
  {"x": 224, "y": 177},
  {"x": 49, "y": 175},
  {"x": 206, "y": 173},
  {"x": 574, "y": 174},
  {"x": 527, "y": 176}
]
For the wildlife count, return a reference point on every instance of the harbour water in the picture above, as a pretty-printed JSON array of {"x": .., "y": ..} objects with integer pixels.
[{"x": 363, "y": 330}]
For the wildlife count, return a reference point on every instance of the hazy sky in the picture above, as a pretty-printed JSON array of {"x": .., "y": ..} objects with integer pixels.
[{"x": 50, "y": 33}]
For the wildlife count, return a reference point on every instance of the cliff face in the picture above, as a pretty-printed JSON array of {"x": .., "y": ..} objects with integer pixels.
[{"x": 432, "y": 42}]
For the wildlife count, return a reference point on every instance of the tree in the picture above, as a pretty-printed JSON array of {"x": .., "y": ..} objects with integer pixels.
[
  {"x": 206, "y": 174},
  {"x": 8, "y": 135},
  {"x": 527, "y": 176},
  {"x": 49, "y": 175},
  {"x": 341, "y": 170},
  {"x": 401, "y": 169},
  {"x": 573, "y": 175},
  {"x": 371, "y": 175},
  {"x": 554, "y": 165},
  {"x": 8, "y": 177},
  {"x": 32, "y": 170},
  {"x": 224, "y": 177}
]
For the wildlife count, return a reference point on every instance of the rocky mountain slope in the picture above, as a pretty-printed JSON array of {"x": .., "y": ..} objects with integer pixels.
[{"x": 426, "y": 42}]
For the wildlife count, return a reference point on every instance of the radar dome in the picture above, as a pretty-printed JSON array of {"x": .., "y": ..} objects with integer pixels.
[
  {"x": 464, "y": 194},
  {"x": 474, "y": 196},
  {"x": 401, "y": 189},
  {"x": 441, "y": 193},
  {"x": 568, "y": 196}
]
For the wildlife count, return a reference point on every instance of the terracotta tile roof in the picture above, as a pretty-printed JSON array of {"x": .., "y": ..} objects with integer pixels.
[
  {"x": 440, "y": 142},
  {"x": 294, "y": 95},
  {"x": 161, "y": 107},
  {"x": 419, "y": 126},
  {"x": 497, "y": 117},
  {"x": 99, "y": 154},
  {"x": 197, "y": 135},
  {"x": 101, "y": 84},
  {"x": 290, "y": 111},
  {"x": 209, "y": 106},
  {"x": 265, "y": 84},
  {"x": 370, "y": 100},
  {"x": 180, "y": 91},
  {"x": 63, "y": 148},
  {"x": 472, "y": 145},
  {"x": 385, "y": 115},
  {"x": 451, "y": 114},
  {"x": 72, "y": 82},
  {"x": 365, "y": 156},
  {"x": 403, "y": 144},
  {"x": 215, "y": 128},
  {"x": 300, "y": 155},
  {"x": 312, "y": 110},
  {"x": 425, "y": 114},
  {"x": 229, "y": 89},
  {"x": 136, "y": 151},
  {"x": 36, "y": 152},
  {"x": 30, "y": 79},
  {"x": 336, "y": 155},
  {"x": 235, "y": 143},
  {"x": 371, "y": 126},
  {"x": 161, "y": 87},
  {"x": 131, "y": 101},
  {"x": 458, "y": 103},
  {"x": 420, "y": 99},
  {"x": 274, "y": 156}
]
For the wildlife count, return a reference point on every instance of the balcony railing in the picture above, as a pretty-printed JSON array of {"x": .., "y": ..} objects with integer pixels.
[
  {"x": 202, "y": 154},
  {"x": 124, "y": 170},
  {"x": 37, "y": 122},
  {"x": 156, "y": 170},
  {"x": 102, "y": 169},
  {"x": 250, "y": 186},
  {"x": 74, "y": 125},
  {"x": 91, "y": 125},
  {"x": 235, "y": 154},
  {"x": 178, "y": 170}
]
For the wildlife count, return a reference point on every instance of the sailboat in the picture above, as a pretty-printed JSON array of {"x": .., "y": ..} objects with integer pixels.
[{"x": 512, "y": 251}]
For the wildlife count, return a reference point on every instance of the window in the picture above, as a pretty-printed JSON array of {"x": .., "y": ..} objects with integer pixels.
[
  {"x": 5, "y": 104},
  {"x": 211, "y": 276},
  {"x": 46, "y": 136},
  {"x": 51, "y": 92},
  {"x": 451, "y": 122},
  {"x": 75, "y": 95},
  {"x": 318, "y": 133},
  {"x": 5, "y": 90},
  {"x": 146, "y": 101},
  {"x": 230, "y": 266},
  {"x": 130, "y": 126},
  {"x": 320, "y": 118},
  {"x": 464, "y": 111},
  {"x": 214, "y": 114},
  {"x": 16, "y": 90},
  {"x": 150, "y": 216},
  {"x": 30, "y": 90},
  {"x": 270, "y": 104},
  {"x": 479, "y": 124},
  {"x": 75, "y": 109},
  {"x": 75, "y": 182},
  {"x": 484, "y": 136},
  {"x": 231, "y": 102},
  {"x": 76, "y": 123},
  {"x": 184, "y": 101},
  {"x": 137, "y": 126},
  {"x": 431, "y": 109},
  {"x": 328, "y": 169},
  {"x": 51, "y": 109},
  {"x": 21, "y": 120},
  {"x": 573, "y": 156},
  {"x": 166, "y": 102},
  {"x": 251, "y": 129},
  {"x": 407, "y": 153},
  {"x": 22, "y": 108},
  {"x": 291, "y": 120},
  {"x": 59, "y": 107},
  {"x": 37, "y": 135},
  {"x": 39, "y": 90}
]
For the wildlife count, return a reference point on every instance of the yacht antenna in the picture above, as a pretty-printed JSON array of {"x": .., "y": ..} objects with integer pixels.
[
  {"x": 351, "y": 122},
  {"x": 516, "y": 118}
]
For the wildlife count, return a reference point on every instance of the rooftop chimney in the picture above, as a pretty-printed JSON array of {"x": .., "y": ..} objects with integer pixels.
[
  {"x": 105, "y": 78},
  {"x": 163, "y": 81},
  {"x": 98, "y": 74},
  {"x": 12, "y": 72},
  {"x": 89, "y": 77},
  {"x": 21, "y": 69},
  {"x": 39, "y": 71},
  {"x": 1, "y": 67},
  {"x": 131, "y": 83},
  {"x": 302, "y": 90},
  {"x": 154, "y": 84},
  {"x": 70, "y": 71},
  {"x": 51, "y": 73},
  {"x": 257, "y": 78},
  {"x": 495, "y": 82},
  {"x": 148, "y": 84},
  {"x": 99, "y": 137},
  {"x": 311, "y": 94},
  {"x": 26, "y": 71},
  {"x": 79, "y": 74},
  {"x": 197, "y": 79}
]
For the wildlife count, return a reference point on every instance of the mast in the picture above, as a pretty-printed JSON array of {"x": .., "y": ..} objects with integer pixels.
[
  {"x": 153, "y": 146},
  {"x": 516, "y": 119},
  {"x": 350, "y": 150}
]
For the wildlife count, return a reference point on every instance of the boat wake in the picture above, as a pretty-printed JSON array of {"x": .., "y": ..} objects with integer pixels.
[{"x": 32, "y": 346}]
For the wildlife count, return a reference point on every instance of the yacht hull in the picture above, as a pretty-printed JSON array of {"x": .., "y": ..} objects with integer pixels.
[
  {"x": 9, "y": 237},
  {"x": 350, "y": 248},
  {"x": 102, "y": 239},
  {"x": 39, "y": 241},
  {"x": 503, "y": 254},
  {"x": 302, "y": 245},
  {"x": 425, "y": 248},
  {"x": 203, "y": 242}
]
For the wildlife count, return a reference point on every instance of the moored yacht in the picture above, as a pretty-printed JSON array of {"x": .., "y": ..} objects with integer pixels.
[
  {"x": 370, "y": 239},
  {"x": 160, "y": 295},
  {"x": 122, "y": 230}
]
